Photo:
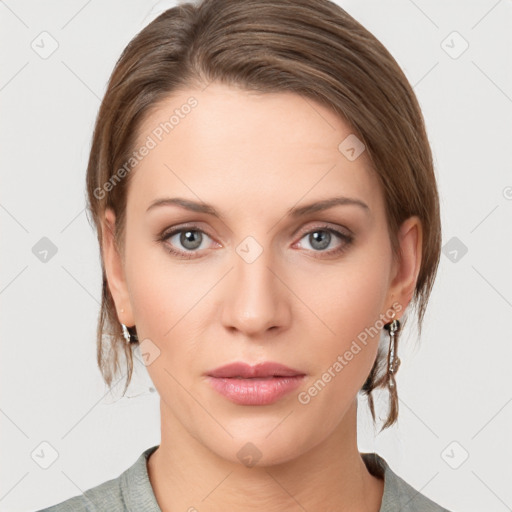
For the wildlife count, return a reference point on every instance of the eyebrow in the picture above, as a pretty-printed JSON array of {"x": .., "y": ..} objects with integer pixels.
[{"x": 294, "y": 212}]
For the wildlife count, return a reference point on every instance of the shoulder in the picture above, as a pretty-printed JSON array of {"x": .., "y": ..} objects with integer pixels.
[
  {"x": 398, "y": 494},
  {"x": 106, "y": 496},
  {"x": 130, "y": 490}
]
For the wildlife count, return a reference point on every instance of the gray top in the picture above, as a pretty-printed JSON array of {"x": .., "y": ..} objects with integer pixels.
[{"x": 132, "y": 491}]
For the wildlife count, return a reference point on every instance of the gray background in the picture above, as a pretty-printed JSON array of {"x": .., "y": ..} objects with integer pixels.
[{"x": 453, "y": 441}]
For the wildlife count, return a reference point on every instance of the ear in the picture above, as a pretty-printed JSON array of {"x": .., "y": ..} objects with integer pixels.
[
  {"x": 114, "y": 269},
  {"x": 406, "y": 270}
]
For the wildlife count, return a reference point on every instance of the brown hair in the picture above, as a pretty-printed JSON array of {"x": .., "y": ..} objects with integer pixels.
[{"x": 311, "y": 47}]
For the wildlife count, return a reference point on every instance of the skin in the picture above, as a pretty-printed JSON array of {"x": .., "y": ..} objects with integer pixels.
[{"x": 293, "y": 304}]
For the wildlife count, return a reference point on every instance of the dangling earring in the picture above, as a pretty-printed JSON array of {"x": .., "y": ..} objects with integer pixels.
[
  {"x": 393, "y": 359},
  {"x": 393, "y": 364},
  {"x": 377, "y": 378},
  {"x": 130, "y": 338},
  {"x": 126, "y": 333}
]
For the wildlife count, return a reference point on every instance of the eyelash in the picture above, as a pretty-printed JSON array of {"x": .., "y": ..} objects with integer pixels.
[{"x": 164, "y": 236}]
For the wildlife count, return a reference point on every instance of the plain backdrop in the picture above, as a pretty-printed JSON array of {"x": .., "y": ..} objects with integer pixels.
[{"x": 453, "y": 439}]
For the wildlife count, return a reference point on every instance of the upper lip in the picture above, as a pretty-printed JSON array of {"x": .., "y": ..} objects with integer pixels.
[{"x": 246, "y": 371}]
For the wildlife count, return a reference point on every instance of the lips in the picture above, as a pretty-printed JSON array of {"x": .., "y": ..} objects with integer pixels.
[{"x": 261, "y": 370}]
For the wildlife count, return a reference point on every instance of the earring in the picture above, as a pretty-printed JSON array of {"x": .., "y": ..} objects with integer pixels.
[
  {"x": 127, "y": 336},
  {"x": 393, "y": 360},
  {"x": 377, "y": 378}
]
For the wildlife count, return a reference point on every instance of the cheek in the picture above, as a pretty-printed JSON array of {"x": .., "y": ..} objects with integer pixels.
[
  {"x": 167, "y": 300},
  {"x": 152, "y": 294},
  {"x": 348, "y": 300},
  {"x": 162, "y": 301},
  {"x": 156, "y": 295}
]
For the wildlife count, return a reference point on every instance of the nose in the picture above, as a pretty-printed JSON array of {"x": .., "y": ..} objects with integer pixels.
[{"x": 255, "y": 297}]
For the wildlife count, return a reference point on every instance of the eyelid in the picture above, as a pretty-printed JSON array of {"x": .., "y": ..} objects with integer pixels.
[
  {"x": 195, "y": 226},
  {"x": 346, "y": 238},
  {"x": 192, "y": 226},
  {"x": 325, "y": 225},
  {"x": 345, "y": 235}
]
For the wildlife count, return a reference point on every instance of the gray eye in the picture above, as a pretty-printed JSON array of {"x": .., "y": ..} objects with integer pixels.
[
  {"x": 320, "y": 239},
  {"x": 191, "y": 239}
]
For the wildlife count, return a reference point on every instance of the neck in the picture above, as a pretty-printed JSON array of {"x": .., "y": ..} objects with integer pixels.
[{"x": 331, "y": 476}]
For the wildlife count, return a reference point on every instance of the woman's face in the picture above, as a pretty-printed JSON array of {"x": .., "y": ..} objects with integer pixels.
[{"x": 267, "y": 279}]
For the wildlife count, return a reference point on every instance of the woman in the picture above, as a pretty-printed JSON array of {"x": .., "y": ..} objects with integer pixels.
[{"x": 266, "y": 206}]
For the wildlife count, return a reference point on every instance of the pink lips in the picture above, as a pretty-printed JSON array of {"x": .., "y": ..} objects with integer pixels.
[{"x": 262, "y": 384}]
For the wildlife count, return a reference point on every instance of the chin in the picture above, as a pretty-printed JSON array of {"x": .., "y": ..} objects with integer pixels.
[{"x": 260, "y": 445}]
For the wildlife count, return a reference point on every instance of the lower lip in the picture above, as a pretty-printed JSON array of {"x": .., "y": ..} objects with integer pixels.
[{"x": 261, "y": 391}]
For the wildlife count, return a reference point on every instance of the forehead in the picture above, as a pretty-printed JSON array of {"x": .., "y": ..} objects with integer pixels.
[{"x": 240, "y": 148}]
